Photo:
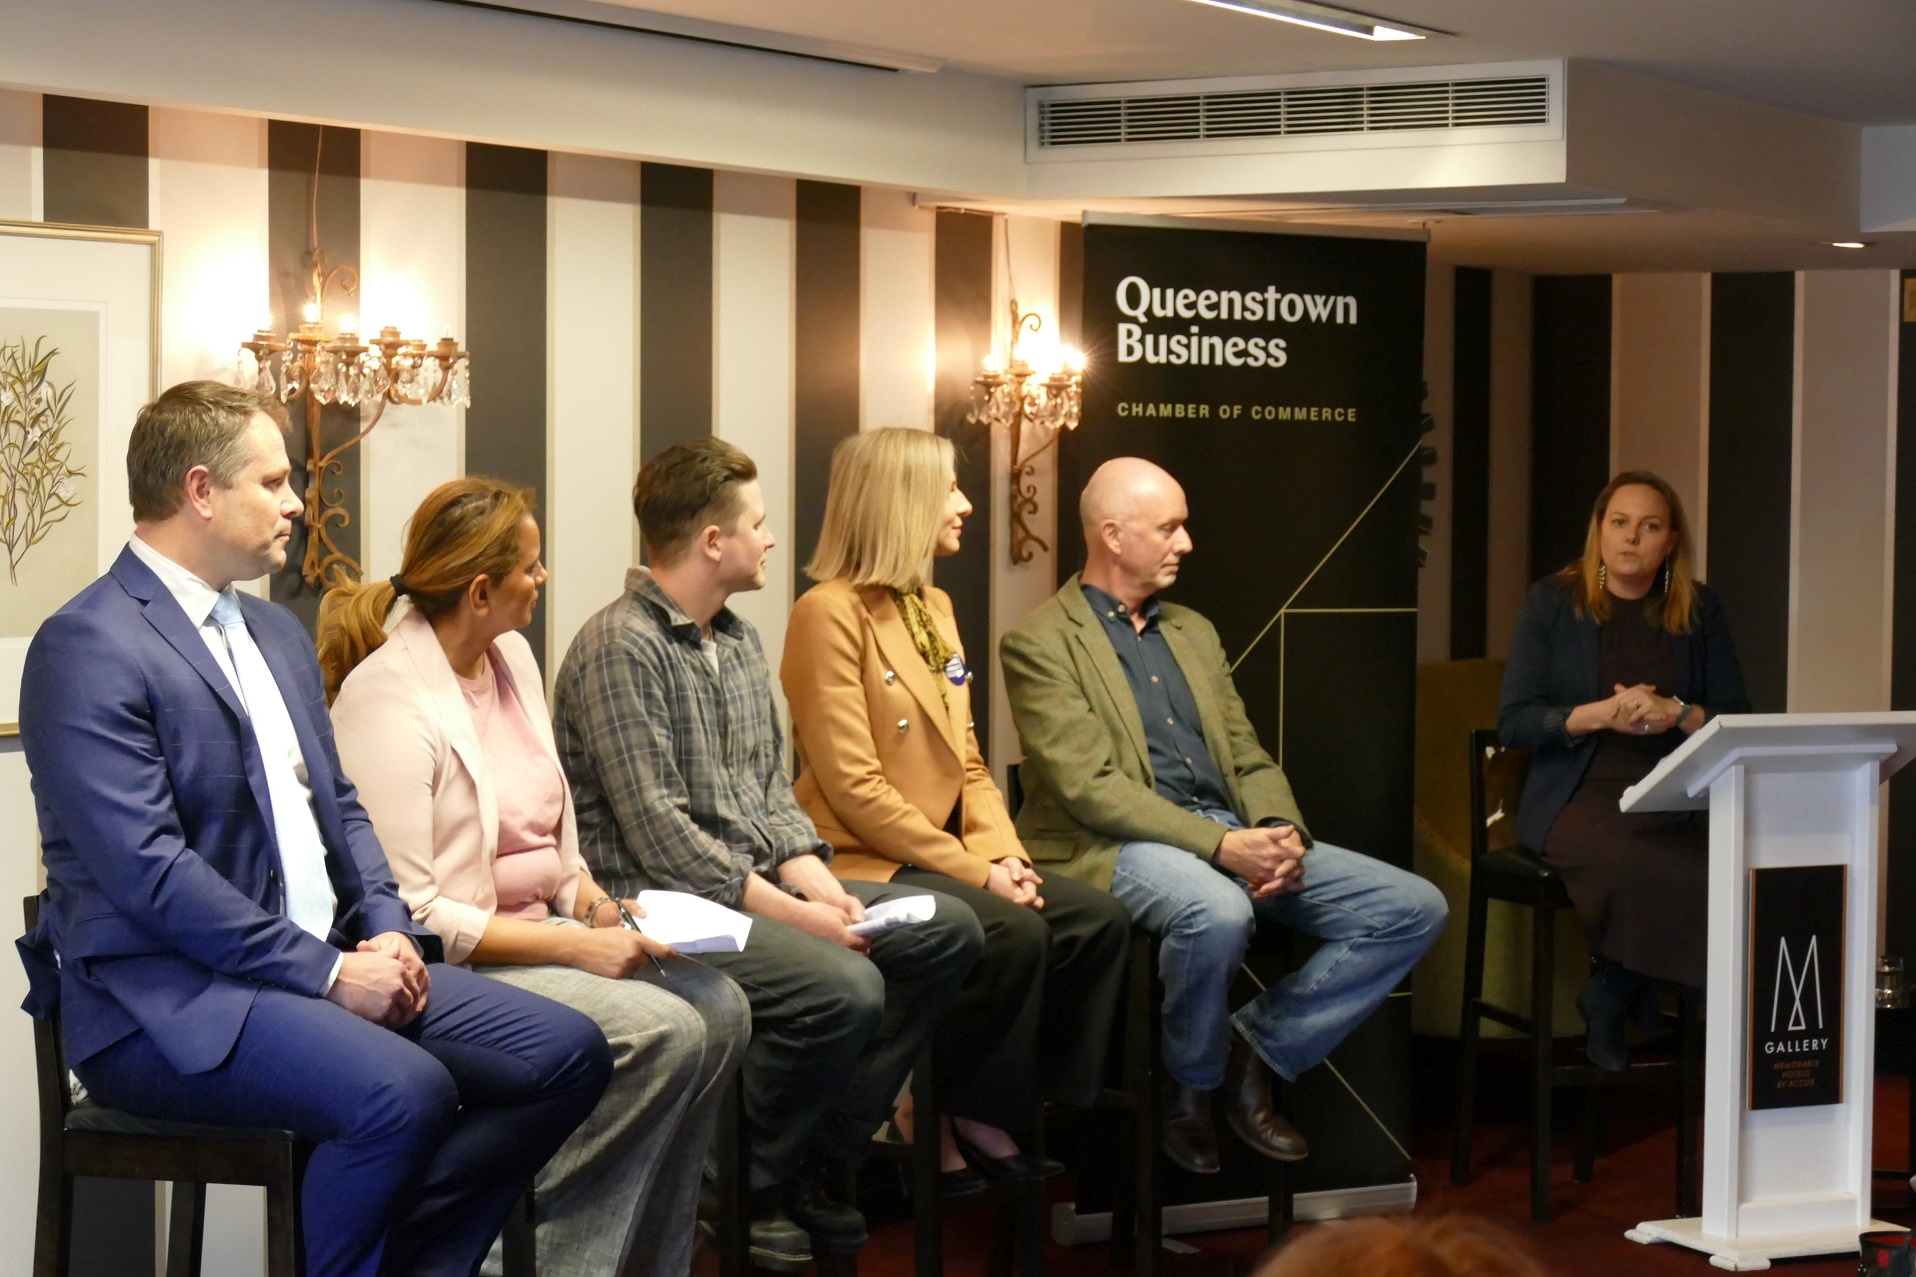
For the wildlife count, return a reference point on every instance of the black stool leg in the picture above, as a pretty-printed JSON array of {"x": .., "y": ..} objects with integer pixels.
[
  {"x": 53, "y": 1229},
  {"x": 1542, "y": 972},
  {"x": 1469, "y": 1031},
  {"x": 1279, "y": 1198},
  {"x": 1590, "y": 1128},
  {"x": 186, "y": 1229},
  {"x": 734, "y": 1178},
  {"x": 927, "y": 1208},
  {"x": 285, "y": 1248}
]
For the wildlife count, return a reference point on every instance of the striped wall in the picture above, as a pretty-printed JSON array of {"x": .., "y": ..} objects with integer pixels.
[{"x": 611, "y": 308}]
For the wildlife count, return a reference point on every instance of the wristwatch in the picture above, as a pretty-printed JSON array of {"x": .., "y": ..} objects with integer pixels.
[{"x": 1683, "y": 710}]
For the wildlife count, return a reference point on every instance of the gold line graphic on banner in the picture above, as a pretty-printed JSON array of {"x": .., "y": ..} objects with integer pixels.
[{"x": 1286, "y": 611}]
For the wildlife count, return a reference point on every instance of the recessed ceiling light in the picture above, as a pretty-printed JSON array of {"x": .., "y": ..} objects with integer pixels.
[
  {"x": 1323, "y": 17},
  {"x": 1849, "y": 243}
]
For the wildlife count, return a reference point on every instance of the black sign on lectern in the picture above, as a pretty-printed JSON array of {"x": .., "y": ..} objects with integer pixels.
[{"x": 1796, "y": 985}]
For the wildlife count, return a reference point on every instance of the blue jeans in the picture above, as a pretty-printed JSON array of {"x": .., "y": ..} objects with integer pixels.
[{"x": 1375, "y": 921}]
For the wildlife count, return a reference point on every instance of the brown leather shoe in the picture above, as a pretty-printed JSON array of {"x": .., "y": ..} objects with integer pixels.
[
  {"x": 1249, "y": 1112},
  {"x": 1190, "y": 1137}
]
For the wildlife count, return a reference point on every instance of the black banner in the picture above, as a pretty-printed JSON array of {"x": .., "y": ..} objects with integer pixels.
[
  {"x": 1279, "y": 378},
  {"x": 1796, "y": 986}
]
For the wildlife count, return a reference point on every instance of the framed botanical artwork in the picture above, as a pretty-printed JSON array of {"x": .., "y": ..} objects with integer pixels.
[{"x": 79, "y": 355}]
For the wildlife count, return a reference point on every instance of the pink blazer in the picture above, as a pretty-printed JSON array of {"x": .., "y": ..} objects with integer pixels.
[{"x": 407, "y": 742}]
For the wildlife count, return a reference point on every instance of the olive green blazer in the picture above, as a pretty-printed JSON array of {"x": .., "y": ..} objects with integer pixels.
[{"x": 1087, "y": 768}]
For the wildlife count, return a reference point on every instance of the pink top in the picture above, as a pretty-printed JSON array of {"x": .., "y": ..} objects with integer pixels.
[{"x": 530, "y": 790}]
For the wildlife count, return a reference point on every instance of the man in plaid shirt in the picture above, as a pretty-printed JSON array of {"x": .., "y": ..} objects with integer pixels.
[{"x": 665, "y": 723}]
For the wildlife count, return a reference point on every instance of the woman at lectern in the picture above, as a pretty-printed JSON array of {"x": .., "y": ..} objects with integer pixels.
[
  {"x": 441, "y": 719},
  {"x": 880, "y": 695},
  {"x": 1617, "y": 658}
]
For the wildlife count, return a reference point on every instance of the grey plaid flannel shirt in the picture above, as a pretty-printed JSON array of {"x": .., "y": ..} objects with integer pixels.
[{"x": 679, "y": 780}]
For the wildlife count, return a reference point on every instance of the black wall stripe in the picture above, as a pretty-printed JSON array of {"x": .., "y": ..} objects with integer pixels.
[
  {"x": 675, "y": 306},
  {"x": 506, "y": 323},
  {"x": 1071, "y": 284},
  {"x": 1470, "y": 465},
  {"x": 1902, "y": 678},
  {"x": 962, "y": 319},
  {"x": 94, "y": 165},
  {"x": 291, "y": 150},
  {"x": 1570, "y": 414},
  {"x": 826, "y": 350},
  {"x": 1752, "y": 344}
]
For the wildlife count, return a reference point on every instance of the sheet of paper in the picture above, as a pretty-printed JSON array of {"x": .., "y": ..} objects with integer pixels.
[
  {"x": 692, "y": 924},
  {"x": 902, "y": 912}
]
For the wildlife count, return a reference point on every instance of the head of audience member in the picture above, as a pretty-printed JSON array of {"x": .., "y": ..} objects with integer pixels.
[
  {"x": 1637, "y": 547},
  {"x": 702, "y": 519},
  {"x": 471, "y": 567},
  {"x": 210, "y": 484},
  {"x": 893, "y": 506},
  {"x": 1446, "y": 1246},
  {"x": 1134, "y": 535}
]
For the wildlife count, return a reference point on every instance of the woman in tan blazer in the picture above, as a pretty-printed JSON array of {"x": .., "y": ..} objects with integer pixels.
[
  {"x": 880, "y": 697},
  {"x": 442, "y": 724}
]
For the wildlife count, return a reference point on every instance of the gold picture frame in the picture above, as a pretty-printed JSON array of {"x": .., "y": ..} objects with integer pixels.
[{"x": 102, "y": 283}]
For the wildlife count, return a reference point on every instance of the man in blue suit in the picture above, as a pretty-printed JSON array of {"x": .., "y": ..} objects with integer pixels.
[{"x": 231, "y": 945}]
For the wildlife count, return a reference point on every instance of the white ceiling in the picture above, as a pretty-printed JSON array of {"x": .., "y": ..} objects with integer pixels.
[{"x": 1851, "y": 60}]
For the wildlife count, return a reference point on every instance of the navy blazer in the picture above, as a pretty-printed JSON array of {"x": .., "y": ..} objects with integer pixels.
[
  {"x": 1552, "y": 669},
  {"x": 163, "y": 897}
]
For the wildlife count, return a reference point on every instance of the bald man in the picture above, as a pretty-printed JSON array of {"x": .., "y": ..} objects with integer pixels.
[{"x": 1143, "y": 775}]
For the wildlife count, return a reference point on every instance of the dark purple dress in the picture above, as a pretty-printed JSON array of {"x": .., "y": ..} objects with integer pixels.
[{"x": 1639, "y": 882}]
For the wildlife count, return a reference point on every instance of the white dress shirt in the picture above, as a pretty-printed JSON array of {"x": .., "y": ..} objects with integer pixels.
[{"x": 310, "y": 902}]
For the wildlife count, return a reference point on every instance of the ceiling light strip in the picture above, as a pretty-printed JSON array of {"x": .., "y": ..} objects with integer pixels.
[
  {"x": 1323, "y": 17},
  {"x": 642, "y": 22}
]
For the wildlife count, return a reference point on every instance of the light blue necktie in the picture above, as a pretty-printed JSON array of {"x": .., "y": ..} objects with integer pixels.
[{"x": 309, "y": 893}]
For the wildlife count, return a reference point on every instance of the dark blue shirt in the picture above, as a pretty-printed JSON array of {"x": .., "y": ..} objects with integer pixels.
[{"x": 1181, "y": 764}]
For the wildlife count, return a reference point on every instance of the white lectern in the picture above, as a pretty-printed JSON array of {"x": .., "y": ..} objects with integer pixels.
[{"x": 1791, "y": 994}]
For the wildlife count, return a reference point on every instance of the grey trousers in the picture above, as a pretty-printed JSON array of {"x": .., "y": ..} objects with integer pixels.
[{"x": 621, "y": 1195}]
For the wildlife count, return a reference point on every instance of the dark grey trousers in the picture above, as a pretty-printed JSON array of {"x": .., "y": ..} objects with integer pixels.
[{"x": 835, "y": 1033}]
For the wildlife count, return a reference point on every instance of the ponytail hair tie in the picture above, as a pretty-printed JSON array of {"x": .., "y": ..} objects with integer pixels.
[{"x": 398, "y": 584}]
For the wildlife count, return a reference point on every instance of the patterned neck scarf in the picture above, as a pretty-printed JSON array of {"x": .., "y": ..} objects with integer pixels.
[{"x": 918, "y": 618}]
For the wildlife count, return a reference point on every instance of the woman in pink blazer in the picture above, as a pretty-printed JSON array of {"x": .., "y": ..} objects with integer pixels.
[{"x": 441, "y": 717}]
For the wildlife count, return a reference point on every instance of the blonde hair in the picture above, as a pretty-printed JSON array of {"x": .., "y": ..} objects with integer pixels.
[
  {"x": 463, "y": 530},
  {"x": 1673, "y": 609},
  {"x": 1447, "y": 1246},
  {"x": 884, "y": 508}
]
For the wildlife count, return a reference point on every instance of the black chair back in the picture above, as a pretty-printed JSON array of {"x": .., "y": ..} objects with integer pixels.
[{"x": 1497, "y": 774}]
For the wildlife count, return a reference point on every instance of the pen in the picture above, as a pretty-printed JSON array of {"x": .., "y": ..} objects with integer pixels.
[{"x": 632, "y": 924}]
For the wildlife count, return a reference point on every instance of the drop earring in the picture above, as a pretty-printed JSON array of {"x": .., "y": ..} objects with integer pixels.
[
  {"x": 1603, "y": 573},
  {"x": 1666, "y": 578}
]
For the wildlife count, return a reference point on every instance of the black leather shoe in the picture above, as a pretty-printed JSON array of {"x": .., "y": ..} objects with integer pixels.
[
  {"x": 833, "y": 1226},
  {"x": 963, "y": 1182},
  {"x": 1019, "y": 1166},
  {"x": 1646, "y": 1008},
  {"x": 1605, "y": 1003},
  {"x": 1190, "y": 1140},
  {"x": 1248, "y": 1110},
  {"x": 778, "y": 1244}
]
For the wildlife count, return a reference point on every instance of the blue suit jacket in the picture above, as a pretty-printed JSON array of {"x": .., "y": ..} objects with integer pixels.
[
  {"x": 1552, "y": 669},
  {"x": 164, "y": 888}
]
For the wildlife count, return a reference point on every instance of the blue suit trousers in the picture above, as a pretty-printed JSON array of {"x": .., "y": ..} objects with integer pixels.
[{"x": 426, "y": 1135}]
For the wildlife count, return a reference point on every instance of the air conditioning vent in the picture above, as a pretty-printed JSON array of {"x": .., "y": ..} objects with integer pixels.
[{"x": 1310, "y": 110}]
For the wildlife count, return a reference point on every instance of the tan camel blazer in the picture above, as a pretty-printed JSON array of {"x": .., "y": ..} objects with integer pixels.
[{"x": 884, "y": 761}]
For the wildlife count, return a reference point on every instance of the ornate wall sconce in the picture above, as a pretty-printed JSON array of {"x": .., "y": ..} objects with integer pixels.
[
  {"x": 1018, "y": 398},
  {"x": 338, "y": 368}
]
